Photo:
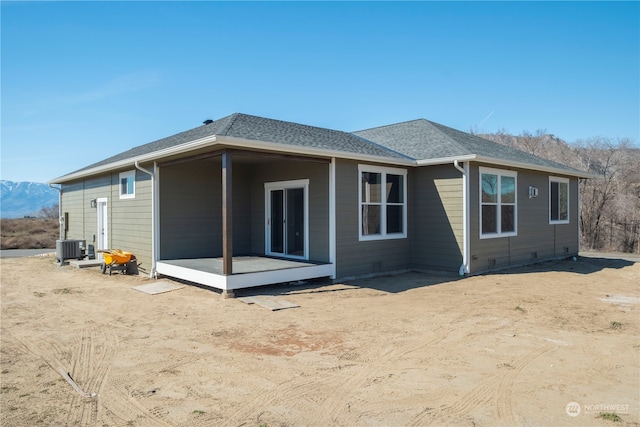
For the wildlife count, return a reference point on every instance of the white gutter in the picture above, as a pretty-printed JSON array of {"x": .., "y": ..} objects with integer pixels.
[
  {"x": 501, "y": 162},
  {"x": 531, "y": 166},
  {"x": 154, "y": 214},
  {"x": 445, "y": 160},
  {"x": 464, "y": 268},
  {"x": 59, "y": 209},
  {"x": 178, "y": 149}
]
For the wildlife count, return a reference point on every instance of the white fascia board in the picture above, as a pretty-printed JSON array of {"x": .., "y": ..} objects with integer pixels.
[
  {"x": 501, "y": 162},
  {"x": 446, "y": 160},
  {"x": 235, "y": 142},
  {"x": 309, "y": 151},
  {"x": 156, "y": 155},
  {"x": 530, "y": 166}
]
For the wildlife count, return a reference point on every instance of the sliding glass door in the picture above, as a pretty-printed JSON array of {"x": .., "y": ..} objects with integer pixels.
[{"x": 287, "y": 216}]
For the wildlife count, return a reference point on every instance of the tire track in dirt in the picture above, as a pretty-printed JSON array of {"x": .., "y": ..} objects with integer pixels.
[
  {"x": 502, "y": 406},
  {"x": 338, "y": 386},
  {"x": 87, "y": 360},
  {"x": 121, "y": 402},
  {"x": 280, "y": 393},
  {"x": 12, "y": 351},
  {"x": 119, "y": 408},
  {"x": 497, "y": 389},
  {"x": 90, "y": 366},
  {"x": 338, "y": 397}
]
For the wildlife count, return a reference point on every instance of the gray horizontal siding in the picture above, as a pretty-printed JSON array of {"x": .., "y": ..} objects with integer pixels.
[
  {"x": 95, "y": 188},
  {"x": 438, "y": 218},
  {"x": 353, "y": 257},
  {"x": 566, "y": 235},
  {"x": 191, "y": 206},
  {"x": 278, "y": 171},
  {"x": 128, "y": 220},
  {"x": 191, "y": 224},
  {"x": 190, "y": 210},
  {"x": 72, "y": 203},
  {"x": 537, "y": 239}
]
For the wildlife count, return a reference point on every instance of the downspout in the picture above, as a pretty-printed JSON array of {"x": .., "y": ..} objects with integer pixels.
[
  {"x": 59, "y": 209},
  {"x": 579, "y": 213},
  {"x": 152, "y": 273},
  {"x": 464, "y": 267}
]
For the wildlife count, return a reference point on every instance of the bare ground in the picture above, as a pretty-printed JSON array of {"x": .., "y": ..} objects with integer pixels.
[{"x": 513, "y": 348}]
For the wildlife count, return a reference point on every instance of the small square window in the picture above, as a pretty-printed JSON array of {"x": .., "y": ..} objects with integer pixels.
[{"x": 127, "y": 185}]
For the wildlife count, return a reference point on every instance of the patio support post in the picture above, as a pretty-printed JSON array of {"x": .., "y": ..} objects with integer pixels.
[{"x": 227, "y": 215}]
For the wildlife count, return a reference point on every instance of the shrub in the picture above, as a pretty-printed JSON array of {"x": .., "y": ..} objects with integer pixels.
[{"x": 29, "y": 233}]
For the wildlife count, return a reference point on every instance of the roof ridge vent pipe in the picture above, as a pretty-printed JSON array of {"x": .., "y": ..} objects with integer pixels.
[
  {"x": 207, "y": 122},
  {"x": 464, "y": 267}
]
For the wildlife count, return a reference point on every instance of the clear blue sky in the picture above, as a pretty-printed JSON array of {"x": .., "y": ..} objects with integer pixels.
[{"x": 83, "y": 81}]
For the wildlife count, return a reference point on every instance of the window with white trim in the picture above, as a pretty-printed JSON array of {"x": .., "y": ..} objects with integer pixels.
[
  {"x": 498, "y": 203},
  {"x": 127, "y": 184},
  {"x": 383, "y": 202},
  {"x": 558, "y": 200}
]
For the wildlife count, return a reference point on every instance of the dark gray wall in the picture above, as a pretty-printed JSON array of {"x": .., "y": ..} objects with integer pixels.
[
  {"x": 128, "y": 220},
  {"x": 355, "y": 258},
  {"x": 191, "y": 225},
  {"x": 536, "y": 239},
  {"x": 191, "y": 211},
  {"x": 438, "y": 220},
  {"x": 276, "y": 171}
]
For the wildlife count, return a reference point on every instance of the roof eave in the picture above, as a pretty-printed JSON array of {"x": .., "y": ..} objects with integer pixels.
[
  {"x": 188, "y": 146},
  {"x": 235, "y": 141},
  {"x": 502, "y": 162},
  {"x": 446, "y": 160},
  {"x": 310, "y": 151},
  {"x": 531, "y": 166}
]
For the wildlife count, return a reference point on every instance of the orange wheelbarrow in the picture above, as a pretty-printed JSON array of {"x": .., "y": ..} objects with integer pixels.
[{"x": 116, "y": 259}]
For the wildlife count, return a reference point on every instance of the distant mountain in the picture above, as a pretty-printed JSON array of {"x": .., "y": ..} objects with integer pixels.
[{"x": 21, "y": 199}]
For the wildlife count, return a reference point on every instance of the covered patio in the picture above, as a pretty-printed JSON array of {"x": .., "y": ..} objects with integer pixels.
[
  {"x": 233, "y": 219},
  {"x": 248, "y": 271}
]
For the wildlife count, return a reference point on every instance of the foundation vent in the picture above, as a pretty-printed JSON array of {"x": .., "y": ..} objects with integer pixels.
[{"x": 376, "y": 267}]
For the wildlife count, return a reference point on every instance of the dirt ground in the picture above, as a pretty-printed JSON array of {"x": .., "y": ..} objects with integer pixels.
[{"x": 512, "y": 348}]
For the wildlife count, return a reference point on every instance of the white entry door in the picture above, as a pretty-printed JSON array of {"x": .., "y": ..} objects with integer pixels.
[
  {"x": 103, "y": 236},
  {"x": 287, "y": 217}
]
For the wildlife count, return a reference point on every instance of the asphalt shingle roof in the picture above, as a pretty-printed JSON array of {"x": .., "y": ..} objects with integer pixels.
[
  {"x": 425, "y": 140},
  {"x": 261, "y": 129},
  {"x": 413, "y": 140}
]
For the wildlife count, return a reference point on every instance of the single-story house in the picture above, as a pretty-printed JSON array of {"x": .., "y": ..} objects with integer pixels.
[{"x": 245, "y": 201}]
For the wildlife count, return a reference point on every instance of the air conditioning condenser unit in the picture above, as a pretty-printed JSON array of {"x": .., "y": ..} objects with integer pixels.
[{"x": 70, "y": 249}]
